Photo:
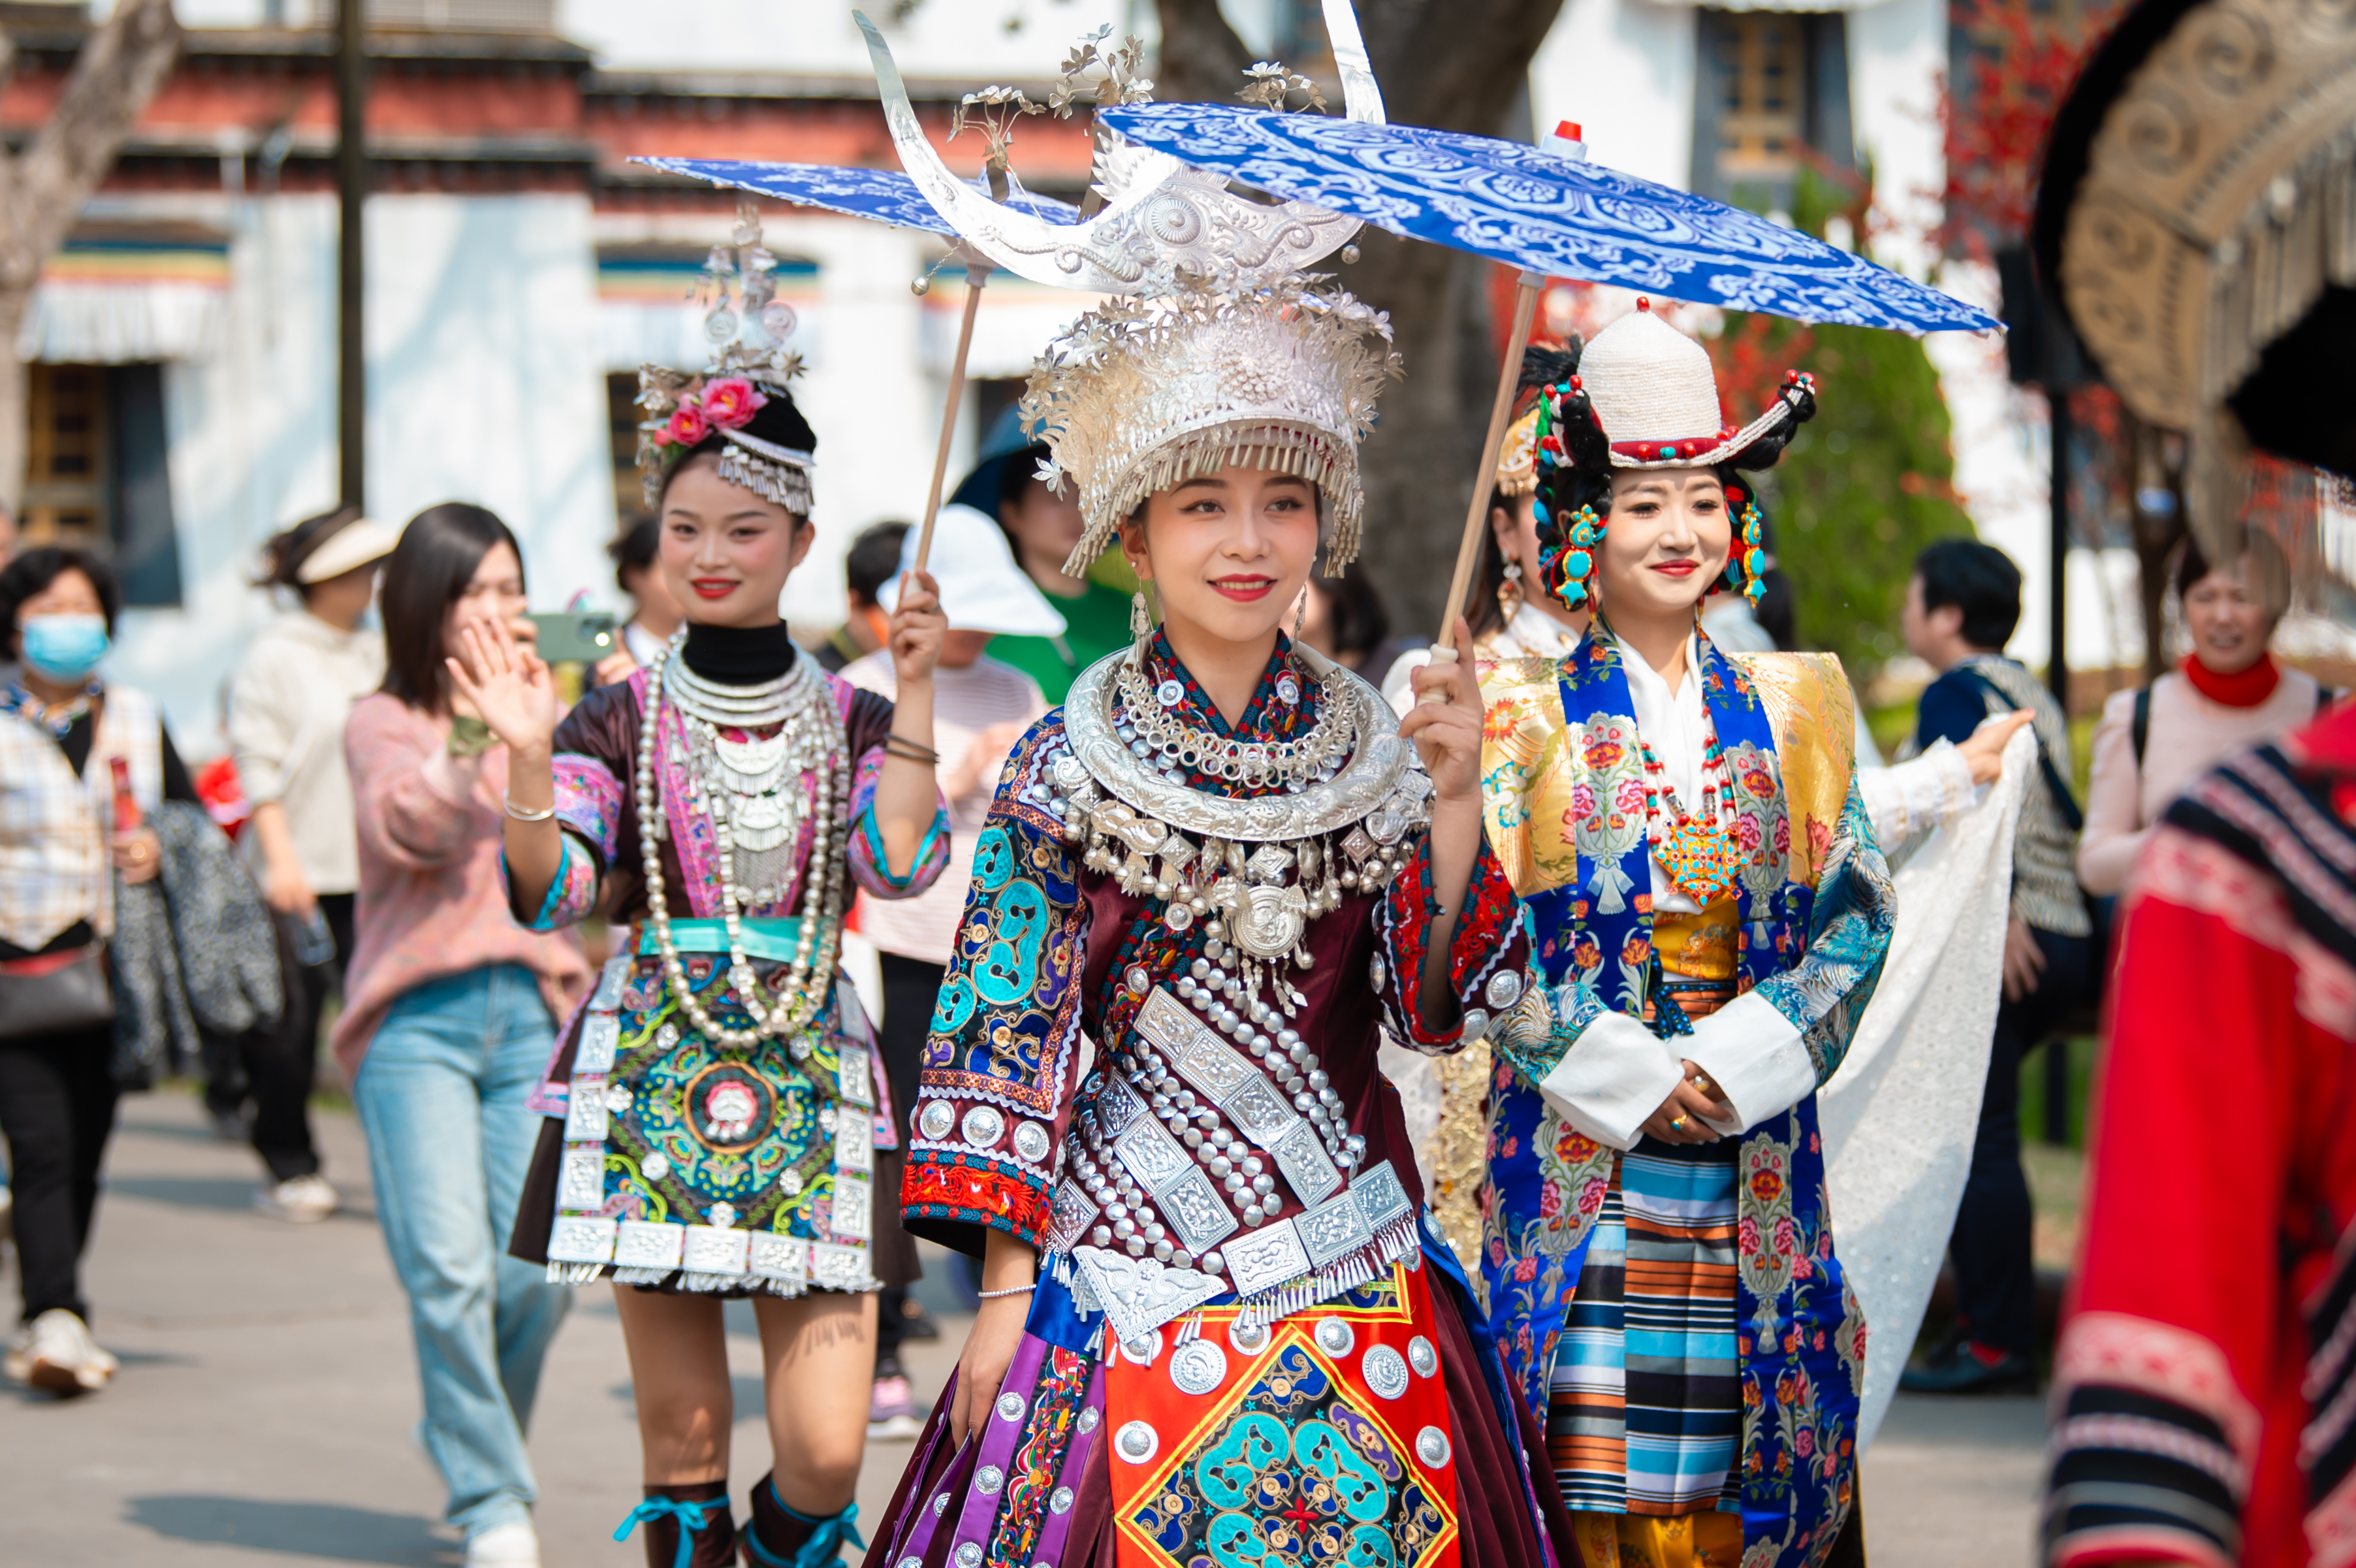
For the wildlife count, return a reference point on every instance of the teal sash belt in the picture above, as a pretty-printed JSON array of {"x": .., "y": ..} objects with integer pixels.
[{"x": 773, "y": 939}]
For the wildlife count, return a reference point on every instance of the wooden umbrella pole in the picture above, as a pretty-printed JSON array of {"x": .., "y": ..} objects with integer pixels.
[
  {"x": 1476, "y": 514},
  {"x": 977, "y": 277}
]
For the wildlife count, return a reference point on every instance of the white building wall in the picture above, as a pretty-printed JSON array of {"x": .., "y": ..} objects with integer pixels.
[
  {"x": 485, "y": 384},
  {"x": 960, "y": 40},
  {"x": 486, "y": 374},
  {"x": 1625, "y": 70},
  {"x": 1897, "y": 54},
  {"x": 251, "y": 433}
]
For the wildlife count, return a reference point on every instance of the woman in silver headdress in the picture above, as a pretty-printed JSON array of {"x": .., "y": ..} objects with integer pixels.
[{"x": 1212, "y": 1327}]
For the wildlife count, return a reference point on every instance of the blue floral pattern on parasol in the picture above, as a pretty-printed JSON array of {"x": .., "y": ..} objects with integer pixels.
[
  {"x": 1543, "y": 212},
  {"x": 886, "y": 196}
]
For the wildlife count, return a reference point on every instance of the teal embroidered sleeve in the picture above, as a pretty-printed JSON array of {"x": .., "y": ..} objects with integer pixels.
[
  {"x": 1849, "y": 925},
  {"x": 995, "y": 1101}
]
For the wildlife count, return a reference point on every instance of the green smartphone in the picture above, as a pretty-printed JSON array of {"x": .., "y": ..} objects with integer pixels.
[{"x": 577, "y": 637}]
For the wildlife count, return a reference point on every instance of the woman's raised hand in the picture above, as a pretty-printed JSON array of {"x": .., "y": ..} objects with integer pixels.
[
  {"x": 1445, "y": 723},
  {"x": 916, "y": 629},
  {"x": 1983, "y": 750},
  {"x": 507, "y": 684}
]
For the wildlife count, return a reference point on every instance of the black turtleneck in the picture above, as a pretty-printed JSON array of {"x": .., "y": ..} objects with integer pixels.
[{"x": 738, "y": 655}]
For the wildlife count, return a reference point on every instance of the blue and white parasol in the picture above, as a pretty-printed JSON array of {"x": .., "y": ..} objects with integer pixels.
[
  {"x": 1549, "y": 212},
  {"x": 885, "y": 196}
]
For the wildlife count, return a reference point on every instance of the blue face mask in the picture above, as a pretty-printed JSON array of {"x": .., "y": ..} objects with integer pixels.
[{"x": 64, "y": 647}]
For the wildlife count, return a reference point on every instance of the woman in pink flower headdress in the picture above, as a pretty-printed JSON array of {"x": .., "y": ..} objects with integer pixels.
[{"x": 716, "y": 1125}]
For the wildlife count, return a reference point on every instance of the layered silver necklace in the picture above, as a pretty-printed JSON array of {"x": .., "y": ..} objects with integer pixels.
[
  {"x": 1228, "y": 1120},
  {"x": 751, "y": 786}
]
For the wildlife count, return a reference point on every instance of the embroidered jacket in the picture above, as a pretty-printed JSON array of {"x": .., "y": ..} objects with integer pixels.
[
  {"x": 1564, "y": 785},
  {"x": 2203, "y": 1406},
  {"x": 1047, "y": 950}
]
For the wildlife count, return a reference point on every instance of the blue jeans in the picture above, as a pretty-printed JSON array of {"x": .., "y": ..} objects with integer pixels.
[{"x": 440, "y": 1094}]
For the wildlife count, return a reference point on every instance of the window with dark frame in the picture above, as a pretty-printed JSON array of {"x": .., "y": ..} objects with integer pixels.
[
  {"x": 1772, "y": 99},
  {"x": 98, "y": 473}
]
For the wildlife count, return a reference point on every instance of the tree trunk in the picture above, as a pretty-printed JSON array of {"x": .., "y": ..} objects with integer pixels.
[
  {"x": 43, "y": 189},
  {"x": 15, "y": 437},
  {"x": 1459, "y": 66}
]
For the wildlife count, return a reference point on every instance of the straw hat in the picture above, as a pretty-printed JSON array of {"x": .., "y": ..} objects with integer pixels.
[{"x": 981, "y": 587}]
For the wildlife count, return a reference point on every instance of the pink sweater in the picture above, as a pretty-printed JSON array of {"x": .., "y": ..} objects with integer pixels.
[
  {"x": 2189, "y": 733},
  {"x": 431, "y": 901}
]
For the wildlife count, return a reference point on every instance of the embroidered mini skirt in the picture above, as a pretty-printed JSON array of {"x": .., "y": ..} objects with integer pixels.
[{"x": 683, "y": 1164}]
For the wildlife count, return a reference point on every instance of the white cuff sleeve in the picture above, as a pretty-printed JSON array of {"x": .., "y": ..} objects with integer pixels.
[
  {"x": 1614, "y": 1075},
  {"x": 1755, "y": 1057}
]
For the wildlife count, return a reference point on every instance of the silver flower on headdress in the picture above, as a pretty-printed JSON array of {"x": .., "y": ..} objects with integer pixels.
[
  {"x": 747, "y": 325},
  {"x": 1147, "y": 392}
]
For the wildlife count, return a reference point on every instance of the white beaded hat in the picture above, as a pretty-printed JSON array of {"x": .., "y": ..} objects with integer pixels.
[{"x": 1656, "y": 396}]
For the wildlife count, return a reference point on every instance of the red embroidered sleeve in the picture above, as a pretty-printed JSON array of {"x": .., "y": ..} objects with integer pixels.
[{"x": 1486, "y": 955}]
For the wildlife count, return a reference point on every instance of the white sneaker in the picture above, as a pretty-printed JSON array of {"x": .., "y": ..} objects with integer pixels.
[
  {"x": 511, "y": 1545},
  {"x": 55, "y": 1352},
  {"x": 300, "y": 1200},
  {"x": 18, "y": 1363}
]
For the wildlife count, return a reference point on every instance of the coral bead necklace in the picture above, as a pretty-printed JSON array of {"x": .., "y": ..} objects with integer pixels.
[{"x": 1695, "y": 849}]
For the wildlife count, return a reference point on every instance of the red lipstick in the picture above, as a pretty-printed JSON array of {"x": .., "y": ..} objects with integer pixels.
[{"x": 712, "y": 588}]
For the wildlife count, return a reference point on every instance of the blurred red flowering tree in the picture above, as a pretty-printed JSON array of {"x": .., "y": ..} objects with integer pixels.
[{"x": 2024, "y": 56}]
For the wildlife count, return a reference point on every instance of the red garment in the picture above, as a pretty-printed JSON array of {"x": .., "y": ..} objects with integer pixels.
[
  {"x": 224, "y": 794},
  {"x": 2242, "y": 689},
  {"x": 2223, "y": 1178}
]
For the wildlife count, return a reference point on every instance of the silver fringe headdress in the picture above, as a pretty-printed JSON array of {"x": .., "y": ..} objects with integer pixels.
[
  {"x": 747, "y": 327},
  {"x": 1148, "y": 390}
]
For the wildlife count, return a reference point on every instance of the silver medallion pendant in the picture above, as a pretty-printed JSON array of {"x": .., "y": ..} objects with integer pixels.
[
  {"x": 1198, "y": 1367},
  {"x": 1385, "y": 1371},
  {"x": 1266, "y": 922}
]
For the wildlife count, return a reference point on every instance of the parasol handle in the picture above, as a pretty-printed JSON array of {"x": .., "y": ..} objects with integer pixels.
[
  {"x": 977, "y": 277},
  {"x": 1476, "y": 515}
]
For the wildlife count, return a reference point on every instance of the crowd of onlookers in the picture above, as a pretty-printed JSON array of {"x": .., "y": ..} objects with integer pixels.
[{"x": 156, "y": 921}]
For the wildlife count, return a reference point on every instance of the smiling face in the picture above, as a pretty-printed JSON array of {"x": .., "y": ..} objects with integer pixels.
[
  {"x": 2227, "y": 619},
  {"x": 726, "y": 553},
  {"x": 1665, "y": 542},
  {"x": 1227, "y": 553}
]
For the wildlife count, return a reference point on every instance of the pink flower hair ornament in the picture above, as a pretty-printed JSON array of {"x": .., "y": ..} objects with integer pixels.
[{"x": 725, "y": 403}]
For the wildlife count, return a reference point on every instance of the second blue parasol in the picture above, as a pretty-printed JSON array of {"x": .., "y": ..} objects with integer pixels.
[{"x": 1550, "y": 213}]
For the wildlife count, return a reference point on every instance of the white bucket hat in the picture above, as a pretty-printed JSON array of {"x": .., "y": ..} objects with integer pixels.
[{"x": 981, "y": 587}]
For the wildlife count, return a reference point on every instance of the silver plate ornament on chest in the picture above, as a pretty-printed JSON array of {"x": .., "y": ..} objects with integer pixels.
[{"x": 1197, "y": 1367}]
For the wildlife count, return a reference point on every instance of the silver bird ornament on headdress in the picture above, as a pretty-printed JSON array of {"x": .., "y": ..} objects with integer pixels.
[{"x": 1160, "y": 217}]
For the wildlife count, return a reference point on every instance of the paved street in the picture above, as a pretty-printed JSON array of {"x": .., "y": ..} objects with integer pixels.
[{"x": 268, "y": 1392}]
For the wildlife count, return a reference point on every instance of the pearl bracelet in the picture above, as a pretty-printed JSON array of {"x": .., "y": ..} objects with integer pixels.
[{"x": 1018, "y": 1290}]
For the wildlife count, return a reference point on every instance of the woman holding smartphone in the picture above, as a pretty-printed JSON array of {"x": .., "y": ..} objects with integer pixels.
[
  {"x": 724, "y": 1129},
  {"x": 450, "y": 1011}
]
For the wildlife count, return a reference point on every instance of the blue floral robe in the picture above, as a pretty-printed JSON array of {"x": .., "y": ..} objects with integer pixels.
[{"x": 1566, "y": 816}]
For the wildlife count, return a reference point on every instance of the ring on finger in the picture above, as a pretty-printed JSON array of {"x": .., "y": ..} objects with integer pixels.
[{"x": 1678, "y": 1124}]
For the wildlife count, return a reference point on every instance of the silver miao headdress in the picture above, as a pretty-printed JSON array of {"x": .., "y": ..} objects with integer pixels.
[
  {"x": 747, "y": 326},
  {"x": 1218, "y": 348}
]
